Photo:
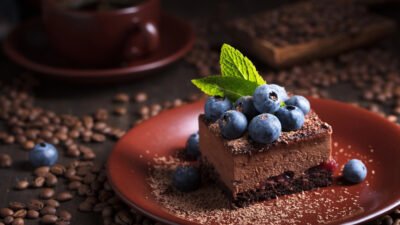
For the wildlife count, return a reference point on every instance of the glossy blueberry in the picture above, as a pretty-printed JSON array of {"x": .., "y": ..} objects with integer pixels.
[
  {"x": 186, "y": 178},
  {"x": 245, "y": 105},
  {"x": 280, "y": 90},
  {"x": 300, "y": 102},
  {"x": 232, "y": 124},
  {"x": 265, "y": 128},
  {"x": 291, "y": 117},
  {"x": 354, "y": 171},
  {"x": 43, "y": 154},
  {"x": 266, "y": 99},
  {"x": 192, "y": 146},
  {"x": 215, "y": 106}
]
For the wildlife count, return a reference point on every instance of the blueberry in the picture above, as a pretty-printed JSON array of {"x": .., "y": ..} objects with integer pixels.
[
  {"x": 291, "y": 117},
  {"x": 265, "y": 128},
  {"x": 215, "y": 106},
  {"x": 186, "y": 178},
  {"x": 245, "y": 105},
  {"x": 280, "y": 90},
  {"x": 354, "y": 171},
  {"x": 192, "y": 146},
  {"x": 232, "y": 124},
  {"x": 43, "y": 154},
  {"x": 266, "y": 99},
  {"x": 300, "y": 102}
]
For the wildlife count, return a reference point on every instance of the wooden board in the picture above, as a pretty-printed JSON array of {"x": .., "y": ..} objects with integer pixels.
[{"x": 297, "y": 53}]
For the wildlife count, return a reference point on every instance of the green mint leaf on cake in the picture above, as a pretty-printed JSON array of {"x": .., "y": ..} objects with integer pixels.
[
  {"x": 230, "y": 87},
  {"x": 235, "y": 64}
]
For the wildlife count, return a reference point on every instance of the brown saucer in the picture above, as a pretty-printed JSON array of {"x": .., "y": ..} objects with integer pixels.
[
  {"x": 358, "y": 133},
  {"x": 27, "y": 46}
]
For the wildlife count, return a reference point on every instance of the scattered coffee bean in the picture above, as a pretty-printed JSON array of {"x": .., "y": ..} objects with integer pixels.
[
  {"x": 64, "y": 196},
  {"x": 46, "y": 193},
  {"x": 120, "y": 111},
  {"x": 141, "y": 97},
  {"x": 64, "y": 215},
  {"x": 74, "y": 185},
  {"x": 6, "y": 212},
  {"x": 48, "y": 210},
  {"x": 121, "y": 98},
  {"x": 51, "y": 180},
  {"x": 85, "y": 206},
  {"x": 8, "y": 219},
  {"x": 20, "y": 213},
  {"x": 57, "y": 169},
  {"x": 49, "y": 219},
  {"x": 35, "y": 204},
  {"x": 52, "y": 203},
  {"x": 16, "y": 205},
  {"x": 22, "y": 185},
  {"x": 5, "y": 160},
  {"x": 32, "y": 214},
  {"x": 38, "y": 182},
  {"x": 42, "y": 171},
  {"x": 28, "y": 145},
  {"x": 18, "y": 221}
]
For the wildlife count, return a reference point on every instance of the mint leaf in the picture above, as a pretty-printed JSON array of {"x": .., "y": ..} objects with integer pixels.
[
  {"x": 230, "y": 87},
  {"x": 235, "y": 64}
]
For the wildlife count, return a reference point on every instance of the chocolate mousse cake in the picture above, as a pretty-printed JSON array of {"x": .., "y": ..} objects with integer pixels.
[{"x": 249, "y": 171}]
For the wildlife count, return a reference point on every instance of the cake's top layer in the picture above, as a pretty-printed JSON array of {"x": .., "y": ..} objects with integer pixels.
[{"x": 313, "y": 127}]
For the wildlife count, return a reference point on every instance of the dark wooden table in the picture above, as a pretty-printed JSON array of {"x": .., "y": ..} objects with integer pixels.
[{"x": 168, "y": 84}]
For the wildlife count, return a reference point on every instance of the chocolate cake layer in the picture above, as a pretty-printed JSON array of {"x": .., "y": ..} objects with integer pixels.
[
  {"x": 243, "y": 164},
  {"x": 273, "y": 187}
]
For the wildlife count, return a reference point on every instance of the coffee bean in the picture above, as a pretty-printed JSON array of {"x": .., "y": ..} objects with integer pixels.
[
  {"x": 74, "y": 185},
  {"x": 396, "y": 222},
  {"x": 48, "y": 210},
  {"x": 5, "y": 161},
  {"x": 6, "y": 212},
  {"x": 28, "y": 145},
  {"x": 58, "y": 169},
  {"x": 120, "y": 111},
  {"x": 121, "y": 98},
  {"x": 52, "y": 203},
  {"x": 98, "y": 137},
  {"x": 123, "y": 217},
  {"x": 107, "y": 211},
  {"x": 20, "y": 213},
  {"x": 46, "y": 193},
  {"x": 85, "y": 206},
  {"x": 22, "y": 185},
  {"x": 387, "y": 220},
  {"x": 101, "y": 115},
  {"x": 16, "y": 205},
  {"x": 144, "y": 111},
  {"x": 83, "y": 190},
  {"x": 8, "y": 219},
  {"x": 64, "y": 196},
  {"x": 51, "y": 180},
  {"x": 49, "y": 219},
  {"x": 141, "y": 97},
  {"x": 9, "y": 139},
  {"x": 38, "y": 182},
  {"x": 64, "y": 215},
  {"x": 18, "y": 221},
  {"x": 42, "y": 171},
  {"x": 35, "y": 204},
  {"x": 32, "y": 214}
]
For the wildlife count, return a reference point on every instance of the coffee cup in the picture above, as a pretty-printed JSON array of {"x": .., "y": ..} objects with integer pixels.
[{"x": 93, "y": 37}]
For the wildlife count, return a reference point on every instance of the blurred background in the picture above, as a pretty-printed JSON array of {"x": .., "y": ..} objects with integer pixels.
[{"x": 341, "y": 49}]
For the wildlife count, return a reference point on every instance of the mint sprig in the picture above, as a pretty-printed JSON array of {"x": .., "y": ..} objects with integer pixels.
[{"x": 239, "y": 76}]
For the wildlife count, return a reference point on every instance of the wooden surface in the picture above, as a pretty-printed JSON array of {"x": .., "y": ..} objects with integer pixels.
[
  {"x": 293, "y": 54},
  {"x": 171, "y": 83}
]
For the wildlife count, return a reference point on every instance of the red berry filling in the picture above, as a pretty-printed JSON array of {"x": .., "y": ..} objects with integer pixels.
[{"x": 330, "y": 165}]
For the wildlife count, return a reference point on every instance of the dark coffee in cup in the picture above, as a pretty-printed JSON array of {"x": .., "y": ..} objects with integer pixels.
[{"x": 98, "y": 37}]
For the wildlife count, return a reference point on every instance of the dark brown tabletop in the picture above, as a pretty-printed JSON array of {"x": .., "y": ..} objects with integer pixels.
[{"x": 168, "y": 84}]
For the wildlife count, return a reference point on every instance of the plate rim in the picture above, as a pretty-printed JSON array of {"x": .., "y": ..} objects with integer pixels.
[
  {"x": 364, "y": 219},
  {"x": 19, "y": 58}
]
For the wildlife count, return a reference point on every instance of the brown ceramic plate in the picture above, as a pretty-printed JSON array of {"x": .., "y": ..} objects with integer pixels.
[
  {"x": 357, "y": 132},
  {"x": 28, "y": 47}
]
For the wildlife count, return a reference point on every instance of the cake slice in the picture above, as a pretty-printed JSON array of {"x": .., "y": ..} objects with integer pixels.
[{"x": 249, "y": 172}]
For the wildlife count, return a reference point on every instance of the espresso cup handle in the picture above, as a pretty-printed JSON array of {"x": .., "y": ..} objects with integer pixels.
[{"x": 148, "y": 43}]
